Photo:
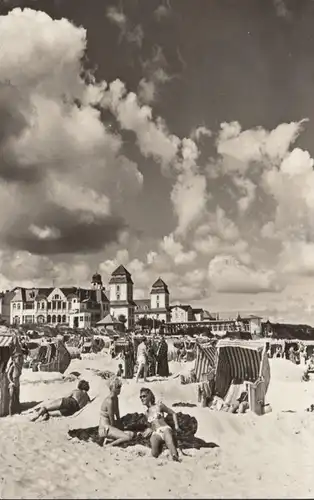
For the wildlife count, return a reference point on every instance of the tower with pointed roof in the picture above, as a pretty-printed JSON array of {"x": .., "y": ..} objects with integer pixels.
[
  {"x": 97, "y": 281},
  {"x": 159, "y": 300},
  {"x": 121, "y": 295}
]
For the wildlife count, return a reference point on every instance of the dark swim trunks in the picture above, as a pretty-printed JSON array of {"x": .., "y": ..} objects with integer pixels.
[{"x": 69, "y": 406}]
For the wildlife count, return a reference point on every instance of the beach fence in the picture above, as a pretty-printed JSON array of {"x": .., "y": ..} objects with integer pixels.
[
  {"x": 11, "y": 365},
  {"x": 239, "y": 362}
]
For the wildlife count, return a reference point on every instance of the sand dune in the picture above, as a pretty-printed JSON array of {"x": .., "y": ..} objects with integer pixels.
[{"x": 268, "y": 456}]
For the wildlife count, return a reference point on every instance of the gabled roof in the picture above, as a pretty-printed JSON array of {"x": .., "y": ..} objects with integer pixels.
[
  {"x": 121, "y": 275},
  {"x": 121, "y": 271},
  {"x": 160, "y": 284},
  {"x": 109, "y": 320}
]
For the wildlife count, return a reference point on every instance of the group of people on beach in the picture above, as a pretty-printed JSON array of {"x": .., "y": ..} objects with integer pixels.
[
  {"x": 158, "y": 431},
  {"x": 150, "y": 356}
]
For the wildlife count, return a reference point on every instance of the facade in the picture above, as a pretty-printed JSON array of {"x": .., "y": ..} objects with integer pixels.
[
  {"x": 198, "y": 314},
  {"x": 80, "y": 319},
  {"x": 121, "y": 296},
  {"x": 58, "y": 306},
  {"x": 157, "y": 306},
  {"x": 181, "y": 314}
]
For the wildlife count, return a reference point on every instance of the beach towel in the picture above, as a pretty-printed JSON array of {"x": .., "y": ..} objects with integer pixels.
[{"x": 136, "y": 422}]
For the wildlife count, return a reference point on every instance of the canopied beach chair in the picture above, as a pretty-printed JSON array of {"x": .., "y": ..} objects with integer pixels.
[
  {"x": 242, "y": 363},
  {"x": 205, "y": 360},
  {"x": 52, "y": 357}
]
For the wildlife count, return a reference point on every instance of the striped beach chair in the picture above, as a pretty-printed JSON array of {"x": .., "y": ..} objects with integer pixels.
[
  {"x": 205, "y": 360},
  {"x": 245, "y": 362}
]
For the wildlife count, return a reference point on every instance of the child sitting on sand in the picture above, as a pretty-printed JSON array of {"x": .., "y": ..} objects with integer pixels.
[{"x": 68, "y": 405}]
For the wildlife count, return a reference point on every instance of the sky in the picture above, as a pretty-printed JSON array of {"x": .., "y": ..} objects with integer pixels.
[{"x": 171, "y": 136}]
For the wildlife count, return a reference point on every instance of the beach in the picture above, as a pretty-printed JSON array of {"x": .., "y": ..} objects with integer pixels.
[{"x": 268, "y": 456}]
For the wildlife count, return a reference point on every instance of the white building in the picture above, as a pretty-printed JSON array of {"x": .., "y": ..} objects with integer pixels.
[
  {"x": 181, "y": 313},
  {"x": 157, "y": 306},
  {"x": 121, "y": 296},
  {"x": 60, "y": 305}
]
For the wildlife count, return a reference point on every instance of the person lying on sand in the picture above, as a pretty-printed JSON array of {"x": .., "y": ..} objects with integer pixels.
[
  {"x": 110, "y": 416},
  {"x": 68, "y": 405},
  {"x": 159, "y": 431}
]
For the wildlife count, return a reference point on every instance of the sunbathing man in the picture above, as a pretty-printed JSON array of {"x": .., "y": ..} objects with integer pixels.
[
  {"x": 159, "y": 431},
  {"x": 68, "y": 405},
  {"x": 110, "y": 417},
  {"x": 242, "y": 403}
]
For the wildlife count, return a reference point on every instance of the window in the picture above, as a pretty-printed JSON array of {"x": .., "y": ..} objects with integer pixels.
[
  {"x": 59, "y": 318},
  {"x": 64, "y": 319},
  {"x": 81, "y": 318},
  {"x": 59, "y": 304},
  {"x": 18, "y": 305},
  {"x": 43, "y": 305},
  {"x": 49, "y": 305},
  {"x": 48, "y": 318},
  {"x": 54, "y": 304},
  {"x": 56, "y": 297},
  {"x": 118, "y": 296},
  {"x": 14, "y": 305},
  {"x": 16, "y": 320},
  {"x": 53, "y": 319},
  {"x": 157, "y": 298},
  {"x": 118, "y": 288},
  {"x": 157, "y": 305}
]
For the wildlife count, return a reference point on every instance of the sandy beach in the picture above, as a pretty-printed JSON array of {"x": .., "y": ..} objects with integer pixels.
[{"x": 269, "y": 456}]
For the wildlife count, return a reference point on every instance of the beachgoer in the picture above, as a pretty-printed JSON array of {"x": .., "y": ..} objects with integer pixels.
[
  {"x": 68, "y": 405},
  {"x": 162, "y": 359},
  {"x": 110, "y": 416},
  {"x": 142, "y": 358},
  {"x": 14, "y": 370},
  {"x": 151, "y": 357},
  {"x": 159, "y": 431},
  {"x": 120, "y": 370},
  {"x": 129, "y": 360}
]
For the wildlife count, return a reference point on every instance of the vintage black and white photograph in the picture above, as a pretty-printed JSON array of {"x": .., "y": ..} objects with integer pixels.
[{"x": 156, "y": 249}]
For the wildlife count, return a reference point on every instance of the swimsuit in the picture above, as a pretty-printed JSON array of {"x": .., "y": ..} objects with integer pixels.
[
  {"x": 161, "y": 431},
  {"x": 69, "y": 406},
  {"x": 156, "y": 415}
]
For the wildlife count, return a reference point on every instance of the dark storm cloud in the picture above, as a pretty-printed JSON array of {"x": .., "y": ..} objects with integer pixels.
[{"x": 74, "y": 232}]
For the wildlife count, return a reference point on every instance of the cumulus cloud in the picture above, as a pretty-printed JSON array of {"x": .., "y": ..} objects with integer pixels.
[
  {"x": 64, "y": 169},
  {"x": 240, "y": 148},
  {"x": 175, "y": 155},
  {"x": 226, "y": 274}
]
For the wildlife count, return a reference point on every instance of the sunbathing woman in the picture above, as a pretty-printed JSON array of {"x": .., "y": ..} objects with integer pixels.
[
  {"x": 159, "y": 431},
  {"x": 67, "y": 406},
  {"x": 110, "y": 417}
]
